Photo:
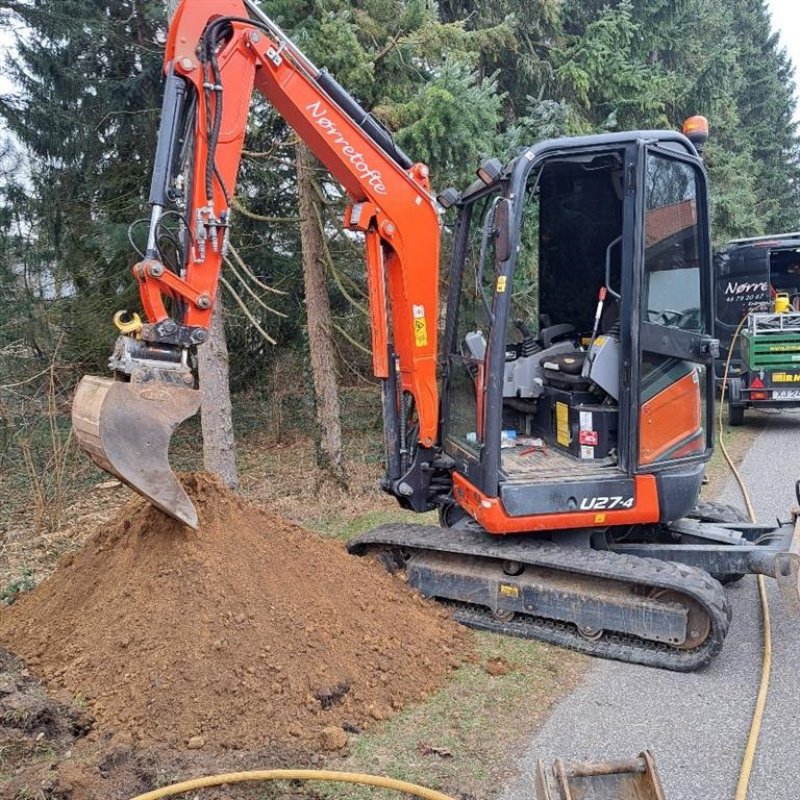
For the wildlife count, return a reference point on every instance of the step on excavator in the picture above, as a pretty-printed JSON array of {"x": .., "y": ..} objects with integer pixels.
[{"x": 560, "y": 421}]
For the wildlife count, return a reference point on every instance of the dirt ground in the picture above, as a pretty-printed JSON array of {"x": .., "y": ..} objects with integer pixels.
[
  {"x": 250, "y": 640},
  {"x": 56, "y": 744}
]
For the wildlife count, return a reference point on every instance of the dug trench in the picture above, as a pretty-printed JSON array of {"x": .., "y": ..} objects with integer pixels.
[{"x": 157, "y": 650}]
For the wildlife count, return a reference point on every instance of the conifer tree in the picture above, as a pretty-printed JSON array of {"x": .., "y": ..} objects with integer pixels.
[
  {"x": 85, "y": 109},
  {"x": 766, "y": 103}
]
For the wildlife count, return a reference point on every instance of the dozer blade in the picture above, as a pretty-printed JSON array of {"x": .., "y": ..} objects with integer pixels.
[
  {"x": 633, "y": 779},
  {"x": 126, "y": 428}
]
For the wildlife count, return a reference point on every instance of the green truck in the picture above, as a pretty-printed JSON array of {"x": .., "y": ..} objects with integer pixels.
[{"x": 758, "y": 280}]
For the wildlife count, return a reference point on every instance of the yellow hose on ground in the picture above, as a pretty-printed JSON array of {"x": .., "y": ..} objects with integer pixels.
[
  {"x": 766, "y": 657},
  {"x": 294, "y": 775}
]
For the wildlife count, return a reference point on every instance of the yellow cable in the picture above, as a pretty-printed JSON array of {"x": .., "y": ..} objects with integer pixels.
[
  {"x": 761, "y": 700},
  {"x": 766, "y": 657},
  {"x": 294, "y": 775}
]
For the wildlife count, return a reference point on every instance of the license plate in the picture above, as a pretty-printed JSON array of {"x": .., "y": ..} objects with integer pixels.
[{"x": 786, "y": 394}]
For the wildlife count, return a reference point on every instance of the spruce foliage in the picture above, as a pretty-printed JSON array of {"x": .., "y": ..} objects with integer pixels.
[{"x": 455, "y": 81}]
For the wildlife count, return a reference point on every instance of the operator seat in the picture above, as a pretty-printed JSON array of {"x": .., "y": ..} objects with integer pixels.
[
  {"x": 564, "y": 370},
  {"x": 552, "y": 333},
  {"x": 609, "y": 319}
]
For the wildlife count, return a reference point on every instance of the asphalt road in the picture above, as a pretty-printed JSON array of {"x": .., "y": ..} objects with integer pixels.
[{"x": 697, "y": 724}]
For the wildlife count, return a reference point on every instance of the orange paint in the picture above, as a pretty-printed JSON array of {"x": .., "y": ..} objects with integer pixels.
[
  {"x": 491, "y": 514},
  {"x": 396, "y": 213},
  {"x": 672, "y": 421}
]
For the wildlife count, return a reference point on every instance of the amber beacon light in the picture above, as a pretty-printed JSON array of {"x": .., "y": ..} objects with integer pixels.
[{"x": 695, "y": 129}]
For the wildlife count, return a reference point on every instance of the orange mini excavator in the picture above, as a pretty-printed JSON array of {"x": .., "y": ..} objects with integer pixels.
[{"x": 563, "y": 426}]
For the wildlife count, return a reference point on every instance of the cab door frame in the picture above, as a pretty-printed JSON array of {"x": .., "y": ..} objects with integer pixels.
[
  {"x": 470, "y": 461},
  {"x": 698, "y": 347}
]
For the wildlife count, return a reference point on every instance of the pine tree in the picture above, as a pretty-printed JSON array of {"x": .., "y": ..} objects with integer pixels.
[
  {"x": 85, "y": 110},
  {"x": 390, "y": 56},
  {"x": 675, "y": 59},
  {"x": 766, "y": 103}
]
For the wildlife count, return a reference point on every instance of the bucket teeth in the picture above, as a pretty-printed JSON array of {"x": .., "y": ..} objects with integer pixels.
[{"x": 126, "y": 428}]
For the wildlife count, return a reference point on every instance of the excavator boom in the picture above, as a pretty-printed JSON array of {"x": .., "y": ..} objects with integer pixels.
[{"x": 216, "y": 54}]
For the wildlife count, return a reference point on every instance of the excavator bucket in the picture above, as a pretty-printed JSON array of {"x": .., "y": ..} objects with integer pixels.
[
  {"x": 634, "y": 779},
  {"x": 126, "y": 428}
]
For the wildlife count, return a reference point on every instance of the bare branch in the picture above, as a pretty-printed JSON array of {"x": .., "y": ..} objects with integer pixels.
[
  {"x": 252, "y": 293},
  {"x": 237, "y": 204},
  {"x": 27, "y": 380},
  {"x": 246, "y": 311},
  {"x": 389, "y": 47},
  {"x": 232, "y": 250},
  {"x": 352, "y": 340},
  {"x": 334, "y": 271}
]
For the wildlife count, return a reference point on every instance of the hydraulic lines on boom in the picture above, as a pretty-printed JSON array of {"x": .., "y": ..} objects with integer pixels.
[{"x": 216, "y": 54}]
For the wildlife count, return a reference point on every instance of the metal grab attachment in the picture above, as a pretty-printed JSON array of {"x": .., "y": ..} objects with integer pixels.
[
  {"x": 631, "y": 779},
  {"x": 126, "y": 427}
]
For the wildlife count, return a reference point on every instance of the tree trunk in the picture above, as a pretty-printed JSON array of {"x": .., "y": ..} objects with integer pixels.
[
  {"x": 318, "y": 311},
  {"x": 219, "y": 449}
]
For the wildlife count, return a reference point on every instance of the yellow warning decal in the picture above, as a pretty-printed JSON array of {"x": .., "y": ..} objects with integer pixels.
[
  {"x": 508, "y": 590},
  {"x": 562, "y": 424},
  {"x": 421, "y": 332},
  {"x": 501, "y": 283},
  {"x": 598, "y": 518}
]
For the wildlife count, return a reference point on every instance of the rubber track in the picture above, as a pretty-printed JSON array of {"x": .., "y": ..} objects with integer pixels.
[{"x": 648, "y": 573}]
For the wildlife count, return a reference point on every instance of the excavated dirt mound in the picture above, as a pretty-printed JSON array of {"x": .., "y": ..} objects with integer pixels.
[{"x": 250, "y": 632}]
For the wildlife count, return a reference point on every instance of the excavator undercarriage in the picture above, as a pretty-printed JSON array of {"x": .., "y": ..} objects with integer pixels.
[{"x": 608, "y": 603}]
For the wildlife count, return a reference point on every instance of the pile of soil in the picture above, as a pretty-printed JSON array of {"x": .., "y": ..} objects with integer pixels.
[{"x": 249, "y": 632}]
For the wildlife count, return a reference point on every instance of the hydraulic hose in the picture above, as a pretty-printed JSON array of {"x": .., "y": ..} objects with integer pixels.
[
  {"x": 766, "y": 655},
  {"x": 294, "y": 775}
]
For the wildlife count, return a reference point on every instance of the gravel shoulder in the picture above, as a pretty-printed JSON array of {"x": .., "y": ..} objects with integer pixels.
[{"x": 697, "y": 724}]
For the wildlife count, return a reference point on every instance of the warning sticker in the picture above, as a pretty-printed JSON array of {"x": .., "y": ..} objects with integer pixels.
[
  {"x": 420, "y": 332},
  {"x": 418, "y": 311},
  {"x": 586, "y": 420},
  {"x": 588, "y": 437},
  {"x": 508, "y": 590},
  {"x": 501, "y": 283},
  {"x": 587, "y": 452},
  {"x": 562, "y": 424}
]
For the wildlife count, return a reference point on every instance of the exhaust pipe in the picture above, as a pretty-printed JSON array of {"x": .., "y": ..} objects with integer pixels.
[{"x": 126, "y": 428}]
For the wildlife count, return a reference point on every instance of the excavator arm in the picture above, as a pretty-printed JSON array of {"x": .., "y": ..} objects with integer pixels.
[{"x": 217, "y": 52}]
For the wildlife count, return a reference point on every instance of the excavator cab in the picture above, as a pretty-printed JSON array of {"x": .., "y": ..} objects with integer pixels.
[{"x": 578, "y": 343}]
